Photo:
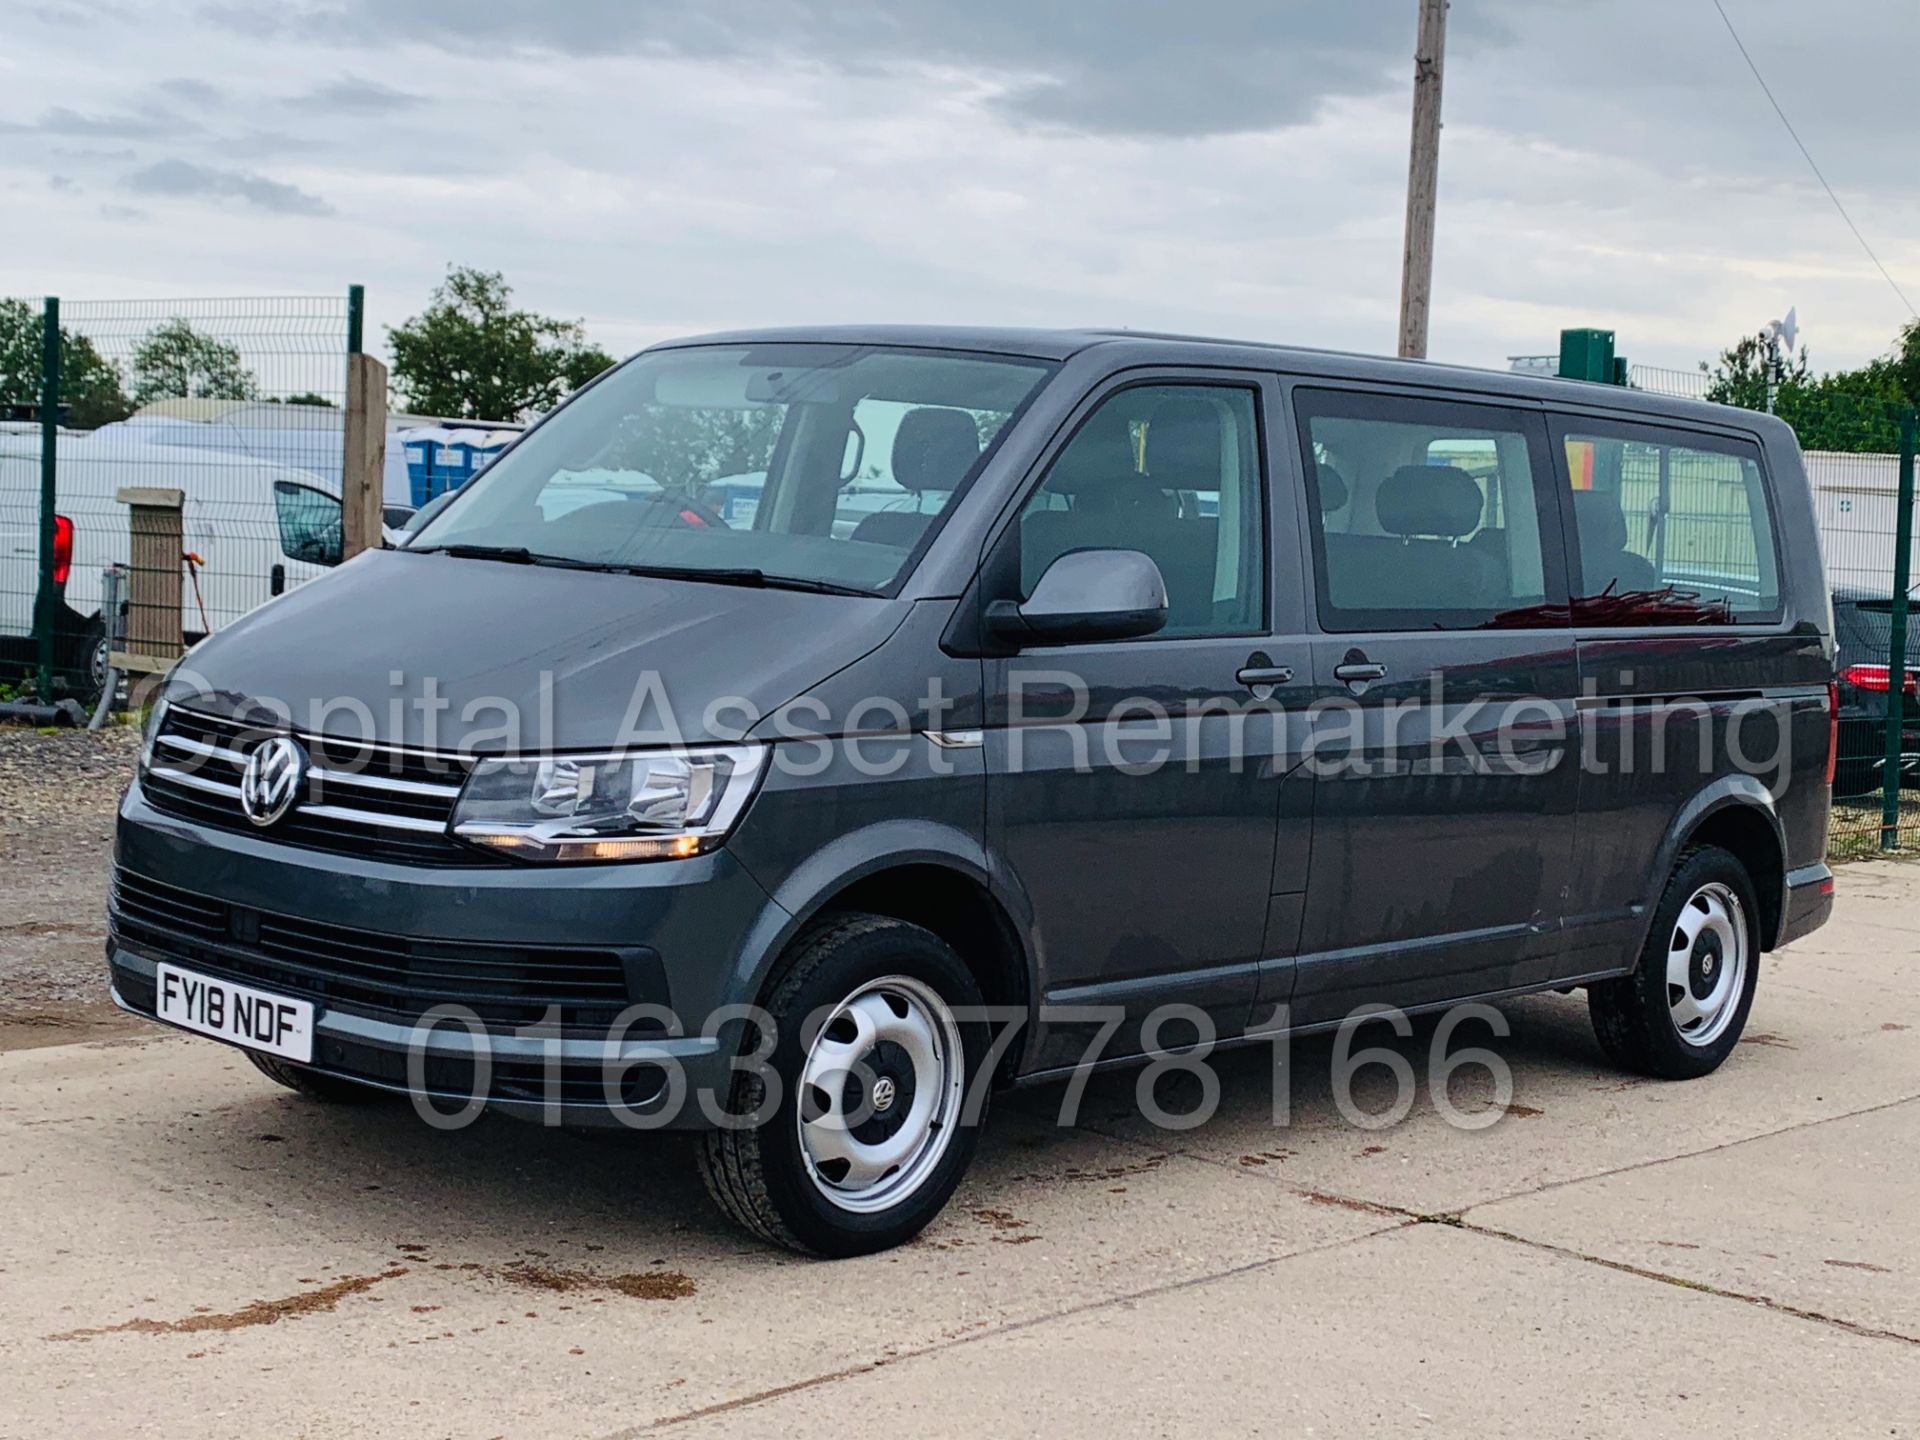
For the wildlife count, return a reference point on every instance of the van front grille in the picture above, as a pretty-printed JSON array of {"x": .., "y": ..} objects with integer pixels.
[{"x": 358, "y": 799}]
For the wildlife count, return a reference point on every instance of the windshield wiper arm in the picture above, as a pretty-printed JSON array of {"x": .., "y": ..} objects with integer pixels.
[
  {"x": 756, "y": 579},
  {"x": 814, "y": 587},
  {"x": 517, "y": 555},
  {"x": 741, "y": 575},
  {"x": 511, "y": 554}
]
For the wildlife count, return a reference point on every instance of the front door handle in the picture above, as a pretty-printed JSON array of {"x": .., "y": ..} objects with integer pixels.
[
  {"x": 1251, "y": 675},
  {"x": 1358, "y": 672},
  {"x": 1260, "y": 675}
]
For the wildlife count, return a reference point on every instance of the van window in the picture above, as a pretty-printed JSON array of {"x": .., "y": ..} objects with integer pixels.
[
  {"x": 1666, "y": 531},
  {"x": 1172, "y": 471},
  {"x": 311, "y": 526},
  {"x": 1426, "y": 514},
  {"x": 741, "y": 457}
]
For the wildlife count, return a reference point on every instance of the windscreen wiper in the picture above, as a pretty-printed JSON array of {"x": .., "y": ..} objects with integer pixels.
[
  {"x": 756, "y": 579},
  {"x": 753, "y": 578},
  {"x": 511, "y": 554}
]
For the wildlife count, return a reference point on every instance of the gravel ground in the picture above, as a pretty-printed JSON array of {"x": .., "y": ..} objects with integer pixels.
[{"x": 58, "y": 792}]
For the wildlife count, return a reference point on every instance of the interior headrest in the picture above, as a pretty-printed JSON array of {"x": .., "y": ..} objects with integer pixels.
[
  {"x": 1099, "y": 457},
  {"x": 1598, "y": 521},
  {"x": 934, "y": 448},
  {"x": 1183, "y": 445},
  {"x": 1428, "y": 500},
  {"x": 1334, "y": 491}
]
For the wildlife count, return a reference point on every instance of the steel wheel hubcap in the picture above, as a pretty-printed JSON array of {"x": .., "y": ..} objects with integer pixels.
[
  {"x": 880, "y": 1092},
  {"x": 1707, "y": 960}
]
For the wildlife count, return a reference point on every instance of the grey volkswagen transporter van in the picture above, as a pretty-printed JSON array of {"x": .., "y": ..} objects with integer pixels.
[{"x": 800, "y": 734}]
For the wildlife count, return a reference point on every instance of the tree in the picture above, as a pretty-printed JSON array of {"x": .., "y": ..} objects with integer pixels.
[
  {"x": 684, "y": 446},
  {"x": 1741, "y": 376},
  {"x": 302, "y": 397},
  {"x": 90, "y": 389},
  {"x": 471, "y": 356},
  {"x": 586, "y": 363},
  {"x": 1856, "y": 411},
  {"x": 1905, "y": 363},
  {"x": 178, "y": 362}
]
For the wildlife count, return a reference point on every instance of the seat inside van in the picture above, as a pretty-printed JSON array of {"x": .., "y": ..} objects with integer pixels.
[
  {"x": 1426, "y": 519},
  {"x": 1105, "y": 501},
  {"x": 933, "y": 451},
  {"x": 1425, "y": 512},
  {"x": 1605, "y": 559}
]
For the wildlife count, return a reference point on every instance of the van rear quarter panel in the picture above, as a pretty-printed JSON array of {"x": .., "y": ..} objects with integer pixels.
[{"x": 1681, "y": 721}]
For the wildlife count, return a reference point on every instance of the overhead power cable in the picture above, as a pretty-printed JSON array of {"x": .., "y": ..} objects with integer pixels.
[{"x": 1812, "y": 164}]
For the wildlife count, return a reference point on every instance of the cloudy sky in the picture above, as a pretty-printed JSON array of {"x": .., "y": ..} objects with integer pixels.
[{"x": 1224, "y": 166}]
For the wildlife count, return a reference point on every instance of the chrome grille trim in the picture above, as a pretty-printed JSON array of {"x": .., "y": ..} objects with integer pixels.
[
  {"x": 194, "y": 747},
  {"x": 195, "y": 782},
  {"x": 369, "y": 817},
  {"x": 328, "y": 775},
  {"x": 400, "y": 806}
]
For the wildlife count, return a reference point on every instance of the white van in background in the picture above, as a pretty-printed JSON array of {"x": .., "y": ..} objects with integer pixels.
[{"x": 252, "y": 529}]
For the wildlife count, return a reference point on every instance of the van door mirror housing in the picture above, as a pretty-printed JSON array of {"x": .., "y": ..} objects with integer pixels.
[{"x": 1084, "y": 596}]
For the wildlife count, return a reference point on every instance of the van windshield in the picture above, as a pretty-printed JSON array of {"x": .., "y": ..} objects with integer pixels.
[{"x": 817, "y": 464}]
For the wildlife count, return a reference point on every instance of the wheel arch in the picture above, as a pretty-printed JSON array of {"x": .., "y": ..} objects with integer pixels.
[
  {"x": 927, "y": 875},
  {"x": 1737, "y": 814}
]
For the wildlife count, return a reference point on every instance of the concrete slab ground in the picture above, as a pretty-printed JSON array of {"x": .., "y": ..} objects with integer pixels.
[
  {"x": 186, "y": 1249},
  {"x": 1425, "y": 1330}
]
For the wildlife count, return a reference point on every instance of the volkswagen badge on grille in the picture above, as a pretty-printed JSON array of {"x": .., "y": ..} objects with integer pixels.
[{"x": 276, "y": 775}]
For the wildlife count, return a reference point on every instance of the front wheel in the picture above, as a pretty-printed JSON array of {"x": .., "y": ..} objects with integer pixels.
[
  {"x": 1681, "y": 1012},
  {"x": 864, "y": 1116}
]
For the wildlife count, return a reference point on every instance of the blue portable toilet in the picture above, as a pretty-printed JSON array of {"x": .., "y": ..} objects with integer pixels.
[
  {"x": 419, "y": 445},
  {"x": 441, "y": 458}
]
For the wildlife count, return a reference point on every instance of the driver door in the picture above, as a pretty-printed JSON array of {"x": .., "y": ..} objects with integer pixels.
[{"x": 1131, "y": 785}]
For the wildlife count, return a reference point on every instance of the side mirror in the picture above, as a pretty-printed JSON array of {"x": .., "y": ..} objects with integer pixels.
[{"x": 1086, "y": 595}]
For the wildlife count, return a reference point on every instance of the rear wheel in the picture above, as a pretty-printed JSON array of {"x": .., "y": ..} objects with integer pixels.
[
  {"x": 1681, "y": 1012},
  {"x": 316, "y": 1084},
  {"x": 869, "y": 1131}
]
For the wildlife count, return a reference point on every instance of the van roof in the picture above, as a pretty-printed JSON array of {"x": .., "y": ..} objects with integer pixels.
[{"x": 1149, "y": 347}]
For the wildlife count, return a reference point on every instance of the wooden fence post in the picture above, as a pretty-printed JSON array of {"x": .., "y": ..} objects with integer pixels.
[
  {"x": 154, "y": 635},
  {"x": 364, "y": 456}
]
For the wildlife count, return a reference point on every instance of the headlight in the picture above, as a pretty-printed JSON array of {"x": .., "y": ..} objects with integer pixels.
[
  {"x": 156, "y": 717},
  {"x": 662, "y": 805}
]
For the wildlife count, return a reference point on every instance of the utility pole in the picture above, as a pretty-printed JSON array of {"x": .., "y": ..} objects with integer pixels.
[{"x": 1423, "y": 179}]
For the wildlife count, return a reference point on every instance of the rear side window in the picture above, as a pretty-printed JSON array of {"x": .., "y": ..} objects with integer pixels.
[
  {"x": 1174, "y": 472},
  {"x": 1669, "y": 529},
  {"x": 1427, "y": 514}
]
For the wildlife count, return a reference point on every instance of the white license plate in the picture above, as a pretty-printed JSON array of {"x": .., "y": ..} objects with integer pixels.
[{"x": 239, "y": 1013}]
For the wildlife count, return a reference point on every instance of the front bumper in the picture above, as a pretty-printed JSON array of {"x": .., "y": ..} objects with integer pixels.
[{"x": 680, "y": 926}]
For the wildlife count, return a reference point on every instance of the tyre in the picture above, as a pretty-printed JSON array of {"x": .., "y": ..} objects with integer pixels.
[
  {"x": 1681, "y": 1011},
  {"x": 83, "y": 674},
  {"x": 316, "y": 1084},
  {"x": 871, "y": 1127}
]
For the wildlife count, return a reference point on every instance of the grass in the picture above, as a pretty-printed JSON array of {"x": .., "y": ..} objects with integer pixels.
[{"x": 1855, "y": 831}]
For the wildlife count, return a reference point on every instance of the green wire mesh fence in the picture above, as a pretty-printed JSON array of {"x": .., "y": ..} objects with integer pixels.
[{"x": 236, "y": 403}]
